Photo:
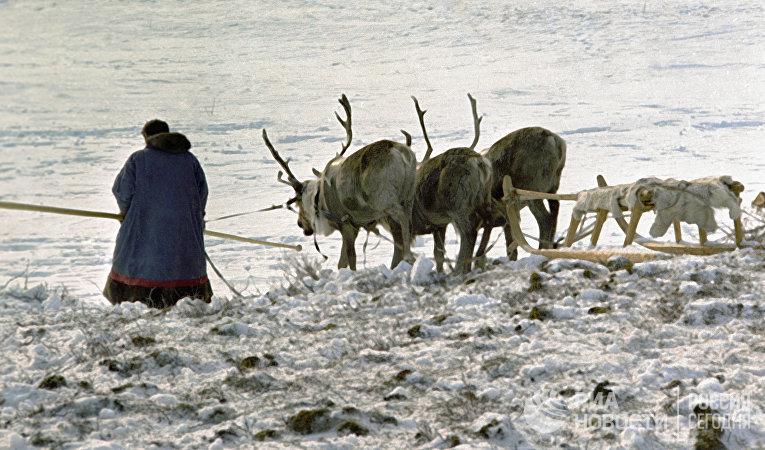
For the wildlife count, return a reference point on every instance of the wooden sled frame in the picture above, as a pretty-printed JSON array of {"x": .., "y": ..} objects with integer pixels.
[
  {"x": 513, "y": 198},
  {"x": 642, "y": 205}
]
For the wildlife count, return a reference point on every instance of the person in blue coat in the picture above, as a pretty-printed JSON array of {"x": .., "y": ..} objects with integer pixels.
[{"x": 161, "y": 191}]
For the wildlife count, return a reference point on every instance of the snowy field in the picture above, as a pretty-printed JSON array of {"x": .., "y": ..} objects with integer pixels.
[{"x": 531, "y": 354}]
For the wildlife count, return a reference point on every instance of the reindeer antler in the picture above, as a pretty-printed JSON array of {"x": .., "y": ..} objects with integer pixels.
[
  {"x": 291, "y": 178},
  {"x": 421, "y": 115},
  {"x": 476, "y": 121},
  {"x": 282, "y": 180},
  {"x": 408, "y": 138},
  {"x": 345, "y": 123}
]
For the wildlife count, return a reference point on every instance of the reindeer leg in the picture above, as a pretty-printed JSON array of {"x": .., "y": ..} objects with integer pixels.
[
  {"x": 348, "y": 252},
  {"x": 545, "y": 222},
  {"x": 480, "y": 254},
  {"x": 343, "y": 261},
  {"x": 468, "y": 235},
  {"x": 406, "y": 231},
  {"x": 396, "y": 231},
  {"x": 439, "y": 247},
  {"x": 554, "y": 208},
  {"x": 400, "y": 219}
]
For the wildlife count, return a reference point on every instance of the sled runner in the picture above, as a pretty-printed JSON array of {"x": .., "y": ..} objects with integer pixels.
[{"x": 637, "y": 198}]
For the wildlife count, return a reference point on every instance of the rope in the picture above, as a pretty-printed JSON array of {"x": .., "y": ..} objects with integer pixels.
[
  {"x": 269, "y": 208},
  {"x": 220, "y": 275},
  {"x": 757, "y": 218},
  {"x": 316, "y": 244}
]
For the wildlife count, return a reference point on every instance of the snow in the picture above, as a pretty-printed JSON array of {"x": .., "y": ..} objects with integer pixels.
[
  {"x": 457, "y": 358},
  {"x": 422, "y": 270},
  {"x": 316, "y": 357}
]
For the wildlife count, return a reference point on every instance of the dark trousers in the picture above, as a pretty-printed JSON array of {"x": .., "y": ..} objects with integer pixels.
[{"x": 154, "y": 297}]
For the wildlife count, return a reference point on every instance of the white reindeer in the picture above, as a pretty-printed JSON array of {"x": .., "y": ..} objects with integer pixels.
[{"x": 374, "y": 185}]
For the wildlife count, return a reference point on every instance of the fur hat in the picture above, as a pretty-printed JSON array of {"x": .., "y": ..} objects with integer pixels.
[{"x": 169, "y": 142}]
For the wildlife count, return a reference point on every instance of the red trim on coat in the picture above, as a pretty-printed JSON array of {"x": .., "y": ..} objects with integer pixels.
[{"x": 152, "y": 283}]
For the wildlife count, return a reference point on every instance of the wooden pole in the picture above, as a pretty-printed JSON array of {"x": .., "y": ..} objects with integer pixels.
[
  {"x": 739, "y": 230},
  {"x": 637, "y": 211},
  {"x": 571, "y": 235},
  {"x": 601, "y": 216},
  {"x": 104, "y": 215},
  {"x": 534, "y": 195},
  {"x": 55, "y": 210},
  {"x": 297, "y": 248},
  {"x": 678, "y": 231},
  {"x": 702, "y": 236},
  {"x": 600, "y": 219}
]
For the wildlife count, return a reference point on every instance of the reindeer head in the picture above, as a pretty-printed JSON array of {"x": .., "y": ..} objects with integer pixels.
[{"x": 307, "y": 192}]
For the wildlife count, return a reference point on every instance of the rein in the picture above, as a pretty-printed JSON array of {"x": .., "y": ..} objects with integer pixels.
[{"x": 231, "y": 216}]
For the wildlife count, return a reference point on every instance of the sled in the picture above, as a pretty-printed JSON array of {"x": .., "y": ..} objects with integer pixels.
[
  {"x": 513, "y": 198},
  {"x": 642, "y": 205}
]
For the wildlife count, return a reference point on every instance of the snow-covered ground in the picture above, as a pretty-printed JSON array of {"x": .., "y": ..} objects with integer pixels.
[
  {"x": 532, "y": 354},
  {"x": 669, "y": 89}
]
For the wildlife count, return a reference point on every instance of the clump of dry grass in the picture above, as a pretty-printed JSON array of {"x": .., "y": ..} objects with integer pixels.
[
  {"x": 753, "y": 223},
  {"x": 300, "y": 272}
]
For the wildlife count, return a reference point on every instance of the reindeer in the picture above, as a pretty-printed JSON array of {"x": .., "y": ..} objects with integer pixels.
[
  {"x": 373, "y": 185},
  {"x": 534, "y": 158},
  {"x": 453, "y": 187}
]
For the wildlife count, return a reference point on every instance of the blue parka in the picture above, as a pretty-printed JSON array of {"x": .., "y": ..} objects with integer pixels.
[{"x": 162, "y": 192}]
